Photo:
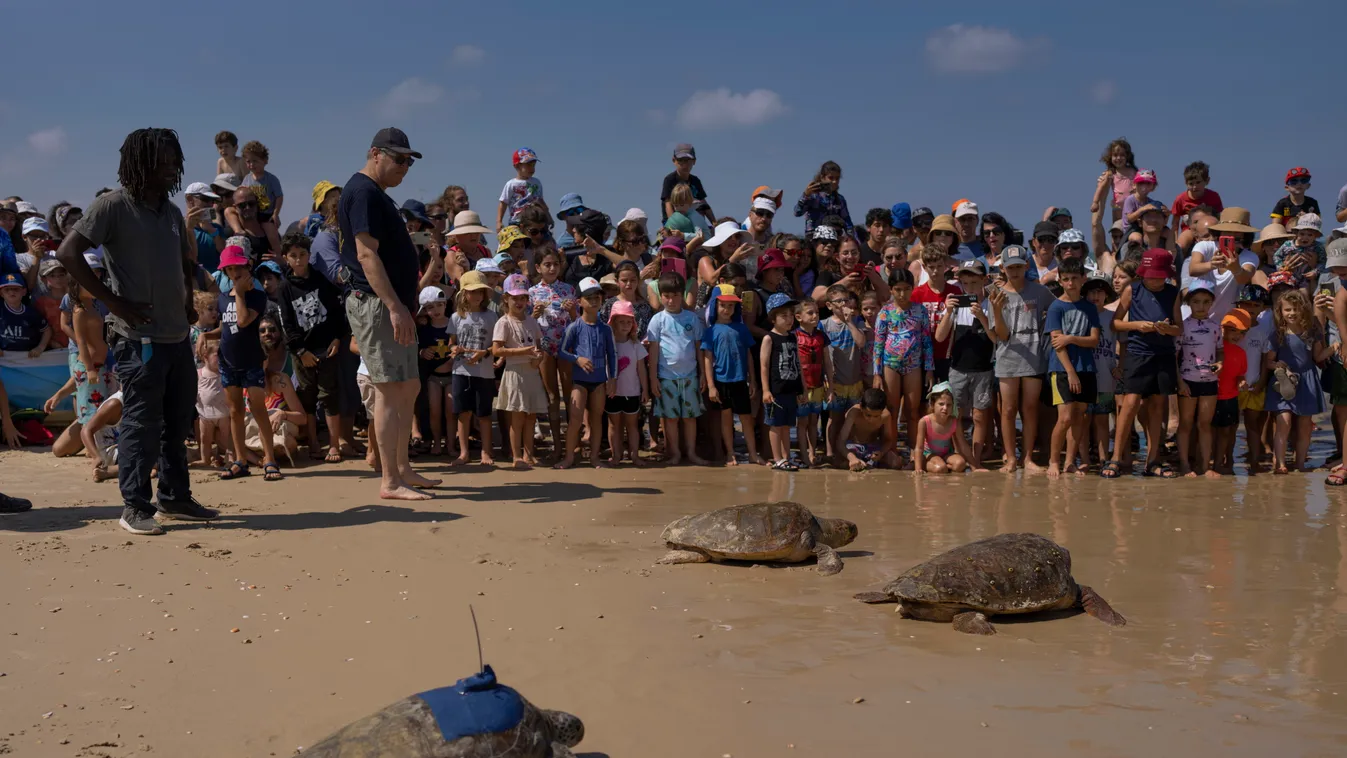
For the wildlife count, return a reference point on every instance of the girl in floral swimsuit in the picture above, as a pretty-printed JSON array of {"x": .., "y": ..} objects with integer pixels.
[
  {"x": 554, "y": 306},
  {"x": 904, "y": 357}
]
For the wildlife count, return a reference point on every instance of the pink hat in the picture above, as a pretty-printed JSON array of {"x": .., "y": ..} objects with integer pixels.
[
  {"x": 676, "y": 244},
  {"x": 233, "y": 255},
  {"x": 1144, "y": 175},
  {"x": 622, "y": 308},
  {"x": 517, "y": 285}
]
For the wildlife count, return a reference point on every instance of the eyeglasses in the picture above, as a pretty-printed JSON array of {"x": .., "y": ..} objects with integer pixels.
[
  {"x": 839, "y": 301},
  {"x": 398, "y": 158},
  {"x": 1299, "y": 180},
  {"x": 763, "y": 214}
]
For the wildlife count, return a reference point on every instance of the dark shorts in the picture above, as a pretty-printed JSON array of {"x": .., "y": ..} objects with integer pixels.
[
  {"x": 942, "y": 369},
  {"x": 1061, "y": 388},
  {"x": 590, "y": 386},
  {"x": 1202, "y": 389},
  {"x": 1227, "y": 413},
  {"x": 1150, "y": 375},
  {"x": 1337, "y": 383},
  {"x": 321, "y": 383},
  {"x": 246, "y": 377},
  {"x": 474, "y": 394},
  {"x": 1044, "y": 389},
  {"x": 783, "y": 412},
  {"x": 733, "y": 398},
  {"x": 626, "y": 405}
]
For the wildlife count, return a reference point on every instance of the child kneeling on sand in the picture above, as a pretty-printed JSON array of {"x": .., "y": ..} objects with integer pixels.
[
  {"x": 868, "y": 435},
  {"x": 940, "y": 448}
]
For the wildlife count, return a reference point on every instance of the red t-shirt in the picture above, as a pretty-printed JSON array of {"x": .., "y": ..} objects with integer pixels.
[
  {"x": 1235, "y": 366},
  {"x": 51, "y": 311},
  {"x": 934, "y": 303},
  {"x": 1183, "y": 204}
]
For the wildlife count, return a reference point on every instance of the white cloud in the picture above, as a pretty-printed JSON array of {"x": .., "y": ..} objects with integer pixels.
[
  {"x": 1104, "y": 91},
  {"x": 467, "y": 55},
  {"x": 962, "y": 49},
  {"x": 48, "y": 141},
  {"x": 716, "y": 109},
  {"x": 407, "y": 96}
]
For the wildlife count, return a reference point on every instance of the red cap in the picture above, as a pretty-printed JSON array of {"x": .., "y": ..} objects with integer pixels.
[
  {"x": 773, "y": 258},
  {"x": 1156, "y": 263},
  {"x": 1299, "y": 172}
]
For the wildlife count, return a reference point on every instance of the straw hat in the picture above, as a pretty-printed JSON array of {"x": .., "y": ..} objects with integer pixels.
[
  {"x": 944, "y": 223},
  {"x": 1234, "y": 220},
  {"x": 1270, "y": 233}
]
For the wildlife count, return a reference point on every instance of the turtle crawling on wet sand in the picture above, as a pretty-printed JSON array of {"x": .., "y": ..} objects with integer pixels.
[
  {"x": 475, "y": 718},
  {"x": 782, "y": 531},
  {"x": 1005, "y": 574}
]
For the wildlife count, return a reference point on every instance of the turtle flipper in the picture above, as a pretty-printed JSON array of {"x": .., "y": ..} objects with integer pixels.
[
  {"x": 874, "y": 597},
  {"x": 684, "y": 556},
  {"x": 973, "y": 622},
  {"x": 1099, "y": 608},
  {"x": 561, "y": 751},
  {"x": 568, "y": 729},
  {"x": 829, "y": 562}
]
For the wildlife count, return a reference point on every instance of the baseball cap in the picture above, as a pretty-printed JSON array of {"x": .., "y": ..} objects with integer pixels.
[
  {"x": 202, "y": 189},
  {"x": 922, "y": 211},
  {"x": 24, "y": 206},
  {"x": 621, "y": 308},
  {"x": 902, "y": 216},
  {"x": 974, "y": 266},
  {"x": 1046, "y": 229},
  {"x": 1196, "y": 286},
  {"x": 1060, "y": 212},
  {"x": 1341, "y": 231},
  {"x": 1308, "y": 221},
  {"x": 763, "y": 190},
  {"x": 569, "y": 202},
  {"x": 1280, "y": 279},
  {"x": 727, "y": 294},
  {"x": 1252, "y": 293},
  {"x": 416, "y": 209},
  {"x": 430, "y": 295},
  {"x": 1299, "y": 172},
  {"x": 590, "y": 286},
  {"x": 1154, "y": 206},
  {"x": 966, "y": 208},
  {"x": 264, "y": 266},
  {"x": 515, "y": 285},
  {"x": 12, "y": 280},
  {"x": 1014, "y": 255},
  {"x": 678, "y": 245},
  {"x": 779, "y": 300},
  {"x": 764, "y": 204},
  {"x": 684, "y": 150},
  {"x": 1144, "y": 176},
  {"x": 35, "y": 224},
  {"x": 594, "y": 224},
  {"x": 487, "y": 266},
  {"x": 1237, "y": 319},
  {"x": 773, "y": 258},
  {"x": 500, "y": 258},
  {"x": 1337, "y": 253},
  {"x": 225, "y": 182},
  {"x": 1118, "y": 226},
  {"x": 49, "y": 265},
  {"x": 524, "y": 155},
  {"x": 1156, "y": 263},
  {"x": 232, "y": 255},
  {"x": 394, "y": 140}
]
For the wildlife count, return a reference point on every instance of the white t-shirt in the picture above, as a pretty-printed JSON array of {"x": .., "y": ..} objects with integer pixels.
[
  {"x": 629, "y": 357},
  {"x": 1223, "y": 284},
  {"x": 517, "y": 194},
  {"x": 1197, "y": 348}
]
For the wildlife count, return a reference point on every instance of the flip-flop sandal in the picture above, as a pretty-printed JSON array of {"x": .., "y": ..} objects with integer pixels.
[
  {"x": 1337, "y": 477},
  {"x": 272, "y": 473},
  {"x": 785, "y": 466},
  {"x": 1110, "y": 470},
  {"x": 236, "y": 470},
  {"x": 332, "y": 458},
  {"x": 1161, "y": 470}
]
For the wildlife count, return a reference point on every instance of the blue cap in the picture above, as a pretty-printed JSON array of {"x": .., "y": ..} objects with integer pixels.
[
  {"x": 570, "y": 203},
  {"x": 503, "y": 257},
  {"x": 417, "y": 210},
  {"x": 12, "y": 280},
  {"x": 271, "y": 266},
  {"x": 902, "y": 216},
  {"x": 779, "y": 300}
]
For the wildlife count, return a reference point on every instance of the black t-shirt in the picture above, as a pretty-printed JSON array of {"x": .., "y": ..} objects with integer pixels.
[
  {"x": 258, "y": 247},
  {"x": 366, "y": 209},
  {"x": 783, "y": 365},
  {"x": 241, "y": 347},
  {"x": 435, "y": 339},
  {"x": 577, "y": 270},
  {"x": 1285, "y": 209},
  {"x": 972, "y": 349},
  {"x": 671, "y": 181}
]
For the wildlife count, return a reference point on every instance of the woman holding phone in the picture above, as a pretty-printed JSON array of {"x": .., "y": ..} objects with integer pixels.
[{"x": 1226, "y": 264}]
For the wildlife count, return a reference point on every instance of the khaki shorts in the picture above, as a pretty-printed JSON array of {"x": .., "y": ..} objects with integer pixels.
[
  {"x": 366, "y": 393},
  {"x": 385, "y": 359}
]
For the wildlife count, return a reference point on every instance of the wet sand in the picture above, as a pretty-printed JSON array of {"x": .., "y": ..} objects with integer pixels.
[{"x": 120, "y": 646}]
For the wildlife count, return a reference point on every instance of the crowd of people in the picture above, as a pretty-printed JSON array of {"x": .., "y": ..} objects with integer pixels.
[{"x": 934, "y": 342}]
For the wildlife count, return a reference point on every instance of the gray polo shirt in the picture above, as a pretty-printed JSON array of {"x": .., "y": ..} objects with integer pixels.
[{"x": 143, "y": 250}]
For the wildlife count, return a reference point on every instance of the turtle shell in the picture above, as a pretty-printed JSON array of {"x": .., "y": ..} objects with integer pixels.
[
  {"x": 751, "y": 532},
  {"x": 1008, "y": 573}
]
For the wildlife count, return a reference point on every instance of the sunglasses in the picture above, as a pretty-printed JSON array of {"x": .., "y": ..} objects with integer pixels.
[
  {"x": 246, "y": 204},
  {"x": 534, "y": 231},
  {"x": 1047, "y": 240},
  {"x": 635, "y": 241},
  {"x": 1076, "y": 246},
  {"x": 763, "y": 214},
  {"x": 1299, "y": 181},
  {"x": 439, "y": 217},
  {"x": 401, "y": 160},
  {"x": 267, "y": 330},
  {"x": 993, "y": 232}
]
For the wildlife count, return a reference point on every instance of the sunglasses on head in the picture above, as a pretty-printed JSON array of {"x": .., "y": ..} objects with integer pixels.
[{"x": 401, "y": 160}]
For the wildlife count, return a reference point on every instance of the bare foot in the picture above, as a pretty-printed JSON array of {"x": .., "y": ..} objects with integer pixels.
[
  {"x": 602, "y": 464},
  {"x": 981, "y": 470},
  {"x": 522, "y": 465},
  {"x": 1009, "y": 468},
  {"x": 731, "y": 461},
  {"x": 414, "y": 479},
  {"x": 1212, "y": 474},
  {"x": 374, "y": 464},
  {"x": 1033, "y": 468},
  {"x": 1053, "y": 471},
  {"x": 403, "y": 493},
  {"x": 696, "y": 460},
  {"x": 461, "y": 460},
  {"x": 352, "y": 451},
  {"x": 757, "y": 461},
  {"x": 676, "y": 460},
  {"x": 566, "y": 463},
  {"x": 636, "y": 460},
  {"x": 487, "y": 460},
  {"x": 1187, "y": 473},
  {"x": 857, "y": 466}
]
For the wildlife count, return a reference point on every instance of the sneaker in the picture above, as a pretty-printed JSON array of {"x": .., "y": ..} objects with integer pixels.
[
  {"x": 186, "y": 510},
  {"x": 10, "y": 505},
  {"x": 139, "y": 522}
]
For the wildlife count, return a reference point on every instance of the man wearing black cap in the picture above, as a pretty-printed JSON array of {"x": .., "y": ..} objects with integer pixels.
[{"x": 381, "y": 271}]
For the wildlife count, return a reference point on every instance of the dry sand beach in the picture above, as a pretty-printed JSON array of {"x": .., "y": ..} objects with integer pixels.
[{"x": 308, "y": 605}]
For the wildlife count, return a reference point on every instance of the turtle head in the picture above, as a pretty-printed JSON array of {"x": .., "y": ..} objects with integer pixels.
[{"x": 836, "y": 532}]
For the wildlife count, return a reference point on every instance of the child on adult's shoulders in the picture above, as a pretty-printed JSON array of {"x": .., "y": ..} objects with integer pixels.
[{"x": 1296, "y": 203}]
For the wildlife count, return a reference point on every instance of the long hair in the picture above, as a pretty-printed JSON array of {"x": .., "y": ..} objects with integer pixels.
[
  {"x": 140, "y": 154},
  {"x": 1107, "y": 157},
  {"x": 1301, "y": 302}
]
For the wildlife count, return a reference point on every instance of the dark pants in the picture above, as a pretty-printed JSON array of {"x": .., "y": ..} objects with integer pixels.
[{"x": 158, "y": 399}]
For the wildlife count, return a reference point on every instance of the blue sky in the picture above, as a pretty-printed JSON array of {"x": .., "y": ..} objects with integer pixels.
[{"x": 1008, "y": 104}]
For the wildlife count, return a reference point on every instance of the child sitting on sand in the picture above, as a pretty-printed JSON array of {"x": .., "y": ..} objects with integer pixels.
[
  {"x": 940, "y": 447},
  {"x": 868, "y": 434}
]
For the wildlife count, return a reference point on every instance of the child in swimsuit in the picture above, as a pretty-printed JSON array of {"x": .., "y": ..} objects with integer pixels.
[{"x": 941, "y": 447}]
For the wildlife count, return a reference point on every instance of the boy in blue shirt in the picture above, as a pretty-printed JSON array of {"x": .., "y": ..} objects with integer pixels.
[
  {"x": 1073, "y": 325},
  {"x": 22, "y": 327},
  {"x": 675, "y": 337},
  {"x": 243, "y": 364},
  {"x": 588, "y": 343},
  {"x": 724, "y": 353}
]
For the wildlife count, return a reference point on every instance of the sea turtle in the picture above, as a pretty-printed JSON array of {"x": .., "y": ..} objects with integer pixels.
[
  {"x": 475, "y": 718},
  {"x": 1008, "y": 573},
  {"x": 781, "y": 531}
]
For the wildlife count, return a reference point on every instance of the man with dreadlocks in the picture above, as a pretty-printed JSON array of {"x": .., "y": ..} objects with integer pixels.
[{"x": 150, "y": 255}]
